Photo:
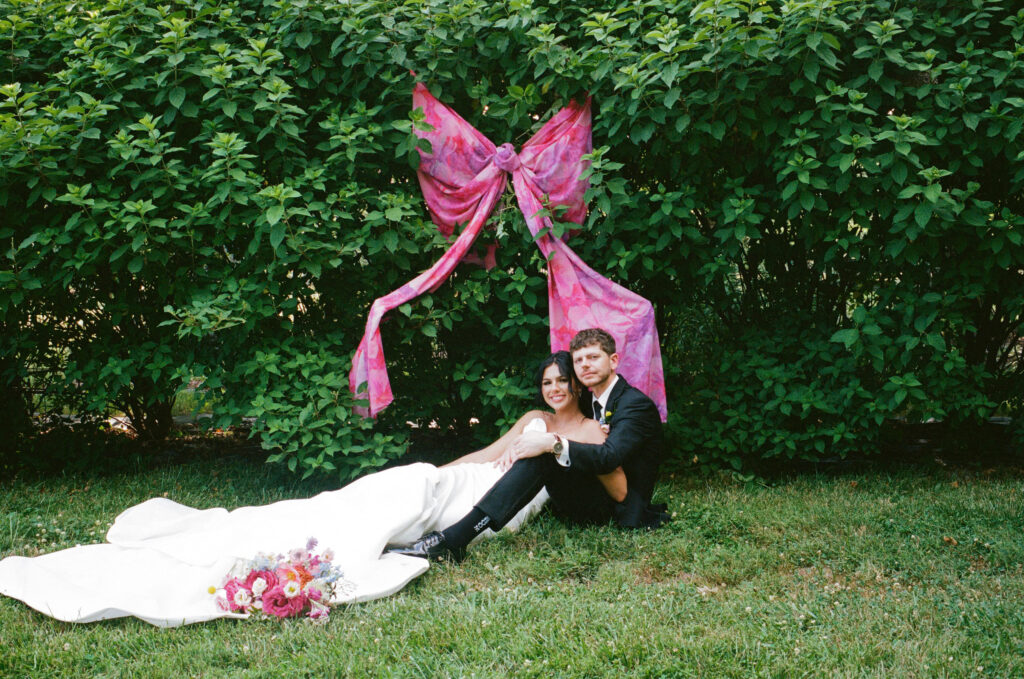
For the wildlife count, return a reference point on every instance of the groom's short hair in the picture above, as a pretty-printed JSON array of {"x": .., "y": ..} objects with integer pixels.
[{"x": 591, "y": 336}]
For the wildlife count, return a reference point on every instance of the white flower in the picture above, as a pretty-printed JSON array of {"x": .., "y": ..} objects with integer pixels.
[
  {"x": 243, "y": 598},
  {"x": 328, "y": 554},
  {"x": 259, "y": 586},
  {"x": 292, "y": 588},
  {"x": 258, "y": 604}
]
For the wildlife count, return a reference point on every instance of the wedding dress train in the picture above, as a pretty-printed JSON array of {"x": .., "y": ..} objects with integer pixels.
[{"x": 161, "y": 557}]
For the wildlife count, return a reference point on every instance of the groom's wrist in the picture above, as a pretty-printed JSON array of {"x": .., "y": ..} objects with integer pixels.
[{"x": 560, "y": 449}]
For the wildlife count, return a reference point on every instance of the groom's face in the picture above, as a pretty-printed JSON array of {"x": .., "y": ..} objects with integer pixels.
[{"x": 593, "y": 366}]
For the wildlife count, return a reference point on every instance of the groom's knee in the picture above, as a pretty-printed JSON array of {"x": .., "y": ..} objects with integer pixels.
[{"x": 540, "y": 466}]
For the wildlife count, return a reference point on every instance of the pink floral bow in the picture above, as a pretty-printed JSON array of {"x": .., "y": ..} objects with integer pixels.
[{"x": 462, "y": 178}]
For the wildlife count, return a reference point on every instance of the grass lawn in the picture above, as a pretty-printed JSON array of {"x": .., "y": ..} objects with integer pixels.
[{"x": 892, "y": 572}]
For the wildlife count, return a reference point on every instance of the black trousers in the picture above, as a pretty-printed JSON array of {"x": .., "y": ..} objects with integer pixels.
[{"x": 576, "y": 497}]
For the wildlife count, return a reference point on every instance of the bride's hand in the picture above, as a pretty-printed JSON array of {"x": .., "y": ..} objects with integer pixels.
[
  {"x": 512, "y": 454},
  {"x": 506, "y": 460},
  {"x": 529, "y": 444}
]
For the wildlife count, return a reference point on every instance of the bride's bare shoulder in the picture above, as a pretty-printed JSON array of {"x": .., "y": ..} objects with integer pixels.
[{"x": 590, "y": 431}]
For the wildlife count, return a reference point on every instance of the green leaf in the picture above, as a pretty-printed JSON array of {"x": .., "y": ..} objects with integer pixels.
[
  {"x": 135, "y": 265},
  {"x": 274, "y": 214},
  {"x": 899, "y": 173},
  {"x": 116, "y": 254},
  {"x": 847, "y": 337},
  {"x": 807, "y": 201},
  {"x": 229, "y": 108},
  {"x": 923, "y": 214},
  {"x": 277, "y": 236},
  {"x": 811, "y": 68},
  {"x": 304, "y": 39},
  {"x": 668, "y": 73},
  {"x": 176, "y": 96},
  {"x": 936, "y": 341}
]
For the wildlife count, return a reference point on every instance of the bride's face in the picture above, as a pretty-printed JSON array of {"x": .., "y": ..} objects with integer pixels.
[{"x": 556, "y": 388}]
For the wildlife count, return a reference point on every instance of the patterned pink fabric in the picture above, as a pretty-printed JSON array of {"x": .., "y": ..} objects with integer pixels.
[{"x": 462, "y": 179}]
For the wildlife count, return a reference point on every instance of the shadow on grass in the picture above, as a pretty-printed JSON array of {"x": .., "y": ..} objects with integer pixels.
[{"x": 95, "y": 451}]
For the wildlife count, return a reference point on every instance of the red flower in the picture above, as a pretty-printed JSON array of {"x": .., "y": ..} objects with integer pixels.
[{"x": 276, "y": 603}]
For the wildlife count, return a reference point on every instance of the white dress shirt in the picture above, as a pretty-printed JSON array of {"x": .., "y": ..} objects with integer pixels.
[{"x": 563, "y": 459}]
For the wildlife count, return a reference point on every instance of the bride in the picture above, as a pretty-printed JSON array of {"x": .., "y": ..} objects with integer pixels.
[{"x": 161, "y": 557}]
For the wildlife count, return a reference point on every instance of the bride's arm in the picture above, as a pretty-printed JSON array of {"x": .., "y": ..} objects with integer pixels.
[{"x": 495, "y": 450}]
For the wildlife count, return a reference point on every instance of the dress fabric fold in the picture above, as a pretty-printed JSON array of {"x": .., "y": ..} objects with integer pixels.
[
  {"x": 462, "y": 177},
  {"x": 161, "y": 556}
]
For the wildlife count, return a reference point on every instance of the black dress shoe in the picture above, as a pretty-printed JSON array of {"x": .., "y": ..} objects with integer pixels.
[{"x": 431, "y": 546}]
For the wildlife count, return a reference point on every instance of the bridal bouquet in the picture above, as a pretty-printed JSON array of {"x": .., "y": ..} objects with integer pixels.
[{"x": 300, "y": 584}]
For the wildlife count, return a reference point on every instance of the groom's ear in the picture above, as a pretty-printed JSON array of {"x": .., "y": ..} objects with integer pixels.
[{"x": 614, "y": 360}]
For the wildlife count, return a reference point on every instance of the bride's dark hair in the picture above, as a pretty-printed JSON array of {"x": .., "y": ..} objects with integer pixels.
[{"x": 563, "y": 359}]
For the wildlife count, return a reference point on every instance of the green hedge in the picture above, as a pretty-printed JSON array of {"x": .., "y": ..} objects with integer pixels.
[{"x": 823, "y": 200}]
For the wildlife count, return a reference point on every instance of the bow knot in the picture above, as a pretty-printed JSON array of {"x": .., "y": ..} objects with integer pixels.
[{"x": 506, "y": 158}]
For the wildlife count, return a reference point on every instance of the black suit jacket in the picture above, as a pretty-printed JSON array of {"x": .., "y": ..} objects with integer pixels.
[{"x": 634, "y": 441}]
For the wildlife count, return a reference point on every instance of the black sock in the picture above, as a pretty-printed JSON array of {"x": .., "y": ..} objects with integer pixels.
[{"x": 462, "y": 532}]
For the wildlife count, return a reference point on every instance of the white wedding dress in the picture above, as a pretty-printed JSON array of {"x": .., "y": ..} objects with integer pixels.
[{"x": 161, "y": 557}]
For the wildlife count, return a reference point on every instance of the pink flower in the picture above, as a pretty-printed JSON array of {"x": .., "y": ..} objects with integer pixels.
[
  {"x": 294, "y": 572},
  {"x": 319, "y": 612},
  {"x": 277, "y": 603},
  {"x": 268, "y": 577},
  {"x": 231, "y": 588}
]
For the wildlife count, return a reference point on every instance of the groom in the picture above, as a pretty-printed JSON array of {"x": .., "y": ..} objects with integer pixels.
[{"x": 569, "y": 469}]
